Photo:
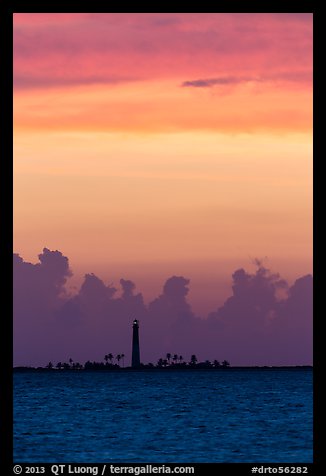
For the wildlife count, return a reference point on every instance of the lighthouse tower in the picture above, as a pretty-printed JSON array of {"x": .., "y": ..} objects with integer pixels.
[{"x": 135, "y": 361}]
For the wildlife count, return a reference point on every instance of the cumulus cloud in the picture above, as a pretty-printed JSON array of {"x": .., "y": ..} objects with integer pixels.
[
  {"x": 40, "y": 283},
  {"x": 260, "y": 325},
  {"x": 171, "y": 322},
  {"x": 39, "y": 292},
  {"x": 265, "y": 321},
  {"x": 127, "y": 287},
  {"x": 93, "y": 289},
  {"x": 171, "y": 305},
  {"x": 254, "y": 297}
]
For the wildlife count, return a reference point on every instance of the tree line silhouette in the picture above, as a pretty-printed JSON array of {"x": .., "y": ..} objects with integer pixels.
[{"x": 174, "y": 361}]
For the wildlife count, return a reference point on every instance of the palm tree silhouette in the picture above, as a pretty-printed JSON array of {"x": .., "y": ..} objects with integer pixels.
[
  {"x": 160, "y": 362},
  {"x": 168, "y": 356},
  {"x": 106, "y": 358},
  {"x": 123, "y": 359},
  {"x": 180, "y": 358},
  {"x": 193, "y": 359},
  {"x": 118, "y": 357},
  {"x": 175, "y": 358},
  {"x": 225, "y": 363},
  {"x": 216, "y": 363},
  {"x": 110, "y": 357}
]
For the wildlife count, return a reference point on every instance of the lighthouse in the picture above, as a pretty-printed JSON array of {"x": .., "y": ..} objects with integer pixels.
[{"x": 135, "y": 361}]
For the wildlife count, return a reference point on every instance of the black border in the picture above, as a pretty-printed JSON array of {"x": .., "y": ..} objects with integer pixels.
[
  {"x": 6, "y": 248},
  {"x": 6, "y": 186}
]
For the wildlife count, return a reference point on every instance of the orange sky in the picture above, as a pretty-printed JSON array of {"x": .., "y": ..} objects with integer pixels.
[{"x": 147, "y": 145}]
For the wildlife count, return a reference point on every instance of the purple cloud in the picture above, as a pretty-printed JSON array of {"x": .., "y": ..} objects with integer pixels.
[
  {"x": 210, "y": 82},
  {"x": 288, "y": 76},
  {"x": 265, "y": 321}
]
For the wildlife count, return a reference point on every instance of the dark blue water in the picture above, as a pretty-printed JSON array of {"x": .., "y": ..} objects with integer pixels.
[{"x": 195, "y": 416}]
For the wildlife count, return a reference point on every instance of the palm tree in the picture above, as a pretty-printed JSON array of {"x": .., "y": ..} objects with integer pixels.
[
  {"x": 193, "y": 359},
  {"x": 180, "y": 358},
  {"x": 175, "y": 358},
  {"x": 168, "y": 356},
  {"x": 123, "y": 359},
  {"x": 50, "y": 365},
  {"x": 110, "y": 357},
  {"x": 59, "y": 365},
  {"x": 87, "y": 365},
  {"x": 70, "y": 362},
  {"x": 225, "y": 364},
  {"x": 118, "y": 357},
  {"x": 216, "y": 363},
  {"x": 106, "y": 358},
  {"x": 160, "y": 362}
]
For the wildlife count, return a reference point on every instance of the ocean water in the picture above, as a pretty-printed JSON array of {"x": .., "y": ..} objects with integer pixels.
[{"x": 227, "y": 416}]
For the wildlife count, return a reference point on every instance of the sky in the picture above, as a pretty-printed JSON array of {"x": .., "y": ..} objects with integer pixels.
[{"x": 155, "y": 145}]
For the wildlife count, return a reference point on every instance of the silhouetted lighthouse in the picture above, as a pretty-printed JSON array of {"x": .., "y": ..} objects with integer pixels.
[{"x": 135, "y": 361}]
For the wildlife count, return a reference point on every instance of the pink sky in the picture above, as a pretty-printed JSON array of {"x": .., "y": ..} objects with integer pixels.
[{"x": 147, "y": 145}]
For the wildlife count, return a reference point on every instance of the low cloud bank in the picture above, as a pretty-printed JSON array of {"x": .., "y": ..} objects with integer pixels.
[{"x": 265, "y": 321}]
